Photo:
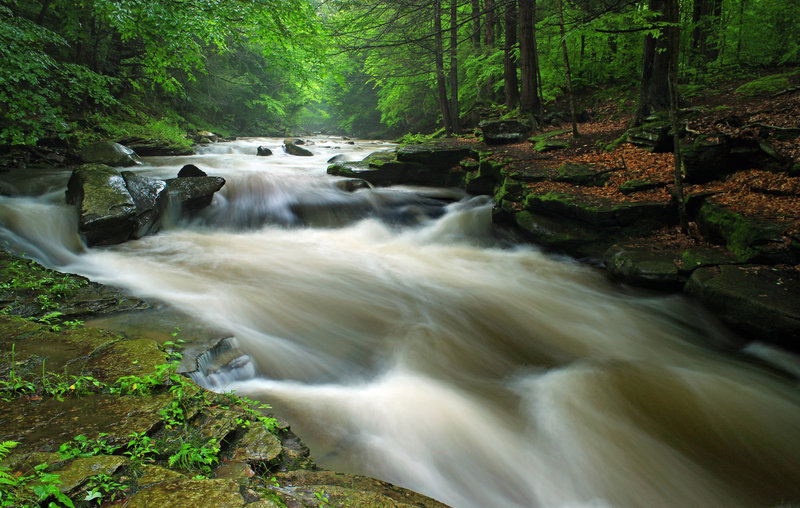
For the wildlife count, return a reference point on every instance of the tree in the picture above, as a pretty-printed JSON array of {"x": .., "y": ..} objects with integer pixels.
[
  {"x": 654, "y": 89},
  {"x": 510, "y": 81},
  {"x": 529, "y": 99},
  {"x": 567, "y": 71}
]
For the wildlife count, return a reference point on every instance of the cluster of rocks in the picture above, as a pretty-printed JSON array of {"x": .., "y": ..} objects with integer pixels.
[
  {"x": 115, "y": 206},
  {"x": 740, "y": 277}
]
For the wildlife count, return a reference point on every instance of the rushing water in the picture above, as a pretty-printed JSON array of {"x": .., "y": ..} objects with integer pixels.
[{"x": 405, "y": 342}]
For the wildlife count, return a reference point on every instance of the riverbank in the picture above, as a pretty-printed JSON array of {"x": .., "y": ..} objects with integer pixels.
[
  {"x": 89, "y": 416},
  {"x": 607, "y": 198}
]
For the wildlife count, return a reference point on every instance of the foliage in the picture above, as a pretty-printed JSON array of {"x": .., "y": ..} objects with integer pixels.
[{"x": 765, "y": 85}]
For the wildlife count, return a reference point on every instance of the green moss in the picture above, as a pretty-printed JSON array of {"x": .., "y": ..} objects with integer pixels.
[
  {"x": 741, "y": 235},
  {"x": 766, "y": 85}
]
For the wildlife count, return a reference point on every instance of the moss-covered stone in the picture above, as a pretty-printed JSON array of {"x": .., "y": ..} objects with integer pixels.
[
  {"x": 633, "y": 186},
  {"x": 188, "y": 493},
  {"x": 645, "y": 267},
  {"x": 699, "y": 257},
  {"x": 587, "y": 175},
  {"x": 155, "y": 474},
  {"x": 759, "y": 302},
  {"x": 765, "y": 85},
  {"x": 78, "y": 471},
  {"x": 750, "y": 239}
]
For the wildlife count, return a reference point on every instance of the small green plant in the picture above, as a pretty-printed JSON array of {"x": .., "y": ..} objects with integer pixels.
[
  {"x": 43, "y": 484},
  {"x": 81, "y": 446},
  {"x": 191, "y": 457},
  {"x": 16, "y": 385},
  {"x": 323, "y": 498},
  {"x": 103, "y": 487}
]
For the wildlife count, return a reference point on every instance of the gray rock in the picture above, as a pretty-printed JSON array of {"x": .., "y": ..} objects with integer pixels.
[
  {"x": 150, "y": 198},
  {"x": 433, "y": 155},
  {"x": 505, "y": 131},
  {"x": 293, "y": 149},
  {"x": 190, "y": 170},
  {"x": 106, "y": 210},
  {"x": 337, "y": 158},
  {"x": 645, "y": 267},
  {"x": 263, "y": 151},
  {"x": 110, "y": 153},
  {"x": 193, "y": 193}
]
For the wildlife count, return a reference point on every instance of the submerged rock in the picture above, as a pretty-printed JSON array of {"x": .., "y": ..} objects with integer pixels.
[
  {"x": 192, "y": 194},
  {"x": 106, "y": 210},
  {"x": 110, "y": 153}
]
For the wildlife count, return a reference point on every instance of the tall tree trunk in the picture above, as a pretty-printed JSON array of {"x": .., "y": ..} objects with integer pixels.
[
  {"x": 438, "y": 56},
  {"x": 476, "y": 23},
  {"x": 509, "y": 58},
  {"x": 454, "y": 113},
  {"x": 739, "y": 35},
  {"x": 488, "y": 25},
  {"x": 705, "y": 18},
  {"x": 571, "y": 99},
  {"x": 654, "y": 90},
  {"x": 673, "y": 42},
  {"x": 528, "y": 100}
]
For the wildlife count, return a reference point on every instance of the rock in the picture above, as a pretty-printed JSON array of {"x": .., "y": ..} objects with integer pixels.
[
  {"x": 748, "y": 238},
  {"x": 698, "y": 257},
  {"x": 704, "y": 162},
  {"x": 505, "y": 131},
  {"x": 760, "y": 302},
  {"x": 293, "y": 149},
  {"x": 394, "y": 172},
  {"x": 184, "y": 492},
  {"x": 588, "y": 175},
  {"x": 190, "y": 170},
  {"x": 109, "y": 153},
  {"x": 572, "y": 237},
  {"x": 549, "y": 145},
  {"x": 106, "y": 211},
  {"x": 151, "y": 199},
  {"x": 600, "y": 213},
  {"x": 633, "y": 186},
  {"x": 655, "y": 135},
  {"x": 257, "y": 446},
  {"x": 432, "y": 155},
  {"x": 301, "y": 488},
  {"x": 193, "y": 194},
  {"x": 337, "y": 158},
  {"x": 293, "y": 141},
  {"x": 80, "y": 470},
  {"x": 205, "y": 137},
  {"x": 149, "y": 147},
  {"x": 645, "y": 267},
  {"x": 263, "y": 151},
  {"x": 352, "y": 184}
]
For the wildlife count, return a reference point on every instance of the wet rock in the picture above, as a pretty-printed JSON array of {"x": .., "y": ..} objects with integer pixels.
[
  {"x": 150, "y": 197},
  {"x": 78, "y": 471},
  {"x": 205, "y": 137},
  {"x": 759, "y": 302},
  {"x": 505, "y": 131},
  {"x": 750, "y": 239},
  {"x": 563, "y": 235},
  {"x": 187, "y": 493},
  {"x": 263, "y": 151},
  {"x": 352, "y": 184},
  {"x": 190, "y": 170},
  {"x": 645, "y": 267},
  {"x": 302, "y": 488},
  {"x": 110, "y": 153},
  {"x": 257, "y": 445},
  {"x": 293, "y": 141},
  {"x": 337, "y": 158},
  {"x": 600, "y": 213},
  {"x": 293, "y": 149},
  {"x": 125, "y": 358},
  {"x": 106, "y": 210},
  {"x": 193, "y": 193},
  {"x": 155, "y": 474},
  {"x": 382, "y": 173},
  {"x": 433, "y": 155},
  {"x": 159, "y": 147}
]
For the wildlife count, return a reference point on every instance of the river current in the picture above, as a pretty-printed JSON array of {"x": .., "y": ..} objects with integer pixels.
[{"x": 404, "y": 340}]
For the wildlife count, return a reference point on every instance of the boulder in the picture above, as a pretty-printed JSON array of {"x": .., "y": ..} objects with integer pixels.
[
  {"x": 645, "y": 267},
  {"x": 393, "y": 172},
  {"x": 704, "y": 162},
  {"x": 263, "y": 151},
  {"x": 293, "y": 141},
  {"x": 190, "y": 170},
  {"x": 750, "y": 239},
  {"x": 759, "y": 302},
  {"x": 205, "y": 137},
  {"x": 148, "y": 147},
  {"x": 654, "y": 135},
  {"x": 109, "y": 153},
  {"x": 106, "y": 210},
  {"x": 352, "y": 184},
  {"x": 433, "y": 155},
  {"x": 505, "y": 131},
  {"x": 337, "y": 158},
  {"x": 193, "y": 194},
  {"x": 585, "y": 174},
  {"x": 150, "y": 197},
  {"x": 293, "y": 149}
]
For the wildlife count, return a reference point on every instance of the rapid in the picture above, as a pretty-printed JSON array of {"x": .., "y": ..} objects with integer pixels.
[{"x": 406, "y": 340}]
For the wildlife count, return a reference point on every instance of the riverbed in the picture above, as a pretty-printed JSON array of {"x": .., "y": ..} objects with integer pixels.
[{"x": 407, "y": 340}]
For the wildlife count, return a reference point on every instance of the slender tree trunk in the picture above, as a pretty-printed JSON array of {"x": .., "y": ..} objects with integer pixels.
[
  {"x": 654, "y": 91},
  {"x": 529, "y": 100},
  {"x": 476, "y": 23},
  {"x": 509, "y": 58},
  {"x": 488, "y": 25},
  {"x": 571, "y": 99},
  {"x": 438, "y": 56},
  {"x": 454, "y": 113},
  {"x": 673, "y": 41},
  {"x": 739, "y": 35}
]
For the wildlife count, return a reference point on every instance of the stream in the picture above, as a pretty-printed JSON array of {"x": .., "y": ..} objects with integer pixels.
[{"x": 407, "y": 341}]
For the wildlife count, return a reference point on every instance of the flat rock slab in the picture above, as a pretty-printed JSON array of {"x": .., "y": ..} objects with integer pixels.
[
  {"x": 306, "y": 487},
  {"x": 645, "y": 267},
  {"x": 599, "y": 212},
  {"x": 184, "y": 492},
  {"x": 761, "y": 302},
  {"x": 433, "y": 155}
]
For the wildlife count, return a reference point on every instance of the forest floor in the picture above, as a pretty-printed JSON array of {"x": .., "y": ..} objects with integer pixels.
[{"x": 773, "y": 196}]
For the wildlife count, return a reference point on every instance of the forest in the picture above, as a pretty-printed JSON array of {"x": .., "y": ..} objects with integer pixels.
[{"x": 74, "y": 71}]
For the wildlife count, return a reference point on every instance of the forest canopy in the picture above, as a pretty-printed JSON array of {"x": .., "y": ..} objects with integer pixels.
[{"x": 73, "y": 71}]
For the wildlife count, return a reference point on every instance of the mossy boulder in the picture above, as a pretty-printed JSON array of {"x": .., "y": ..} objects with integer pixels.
[
  {"x": 654, "y": 134},
  {"x": 571, "y": 237},
  {"x": 759, "y": 302},
  {"x": 645, "y": 267},
  {"x": 433, "y": 155},
  {"x": 109, "y": 153},
  {"x": 587, "y": 175},
  {"x": 106, "y": 210},
  {"x": 157, "y": 146},
  {"x": 512, "y": 130},
  {"x": 637, "y": 185},
  {"x": 293, "y": 149},
  {"x": 599, "y": 212},
  {"x": 750, "y": 239}
]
